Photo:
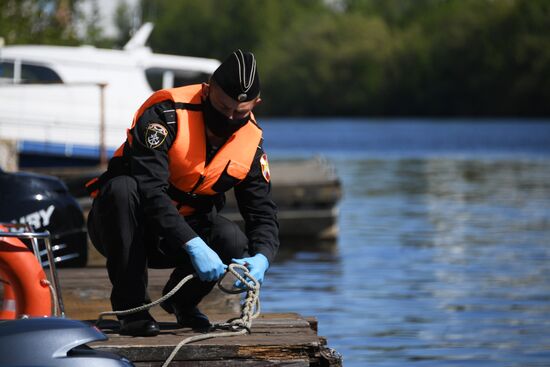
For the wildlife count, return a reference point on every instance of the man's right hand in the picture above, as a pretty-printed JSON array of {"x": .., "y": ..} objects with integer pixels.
[{"x": 206, "y": 261}]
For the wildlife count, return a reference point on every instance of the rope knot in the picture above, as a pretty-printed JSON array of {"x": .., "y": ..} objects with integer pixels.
[{"x": 250, "y": 308}]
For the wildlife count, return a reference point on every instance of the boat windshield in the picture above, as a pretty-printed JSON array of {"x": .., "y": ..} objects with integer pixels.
[
  {"x": 161, "y": 78},
  {"x": 17, "y": 72}
]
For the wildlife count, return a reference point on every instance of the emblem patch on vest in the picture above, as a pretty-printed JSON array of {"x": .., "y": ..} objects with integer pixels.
[
  {"x": 155, "y": 135},
  {"x": 265, "y": 167}
]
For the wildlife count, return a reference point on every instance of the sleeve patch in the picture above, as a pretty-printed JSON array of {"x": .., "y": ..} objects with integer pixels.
[
  {"x": 155, "y": 135},
  {"x": 265, "y": 167}
]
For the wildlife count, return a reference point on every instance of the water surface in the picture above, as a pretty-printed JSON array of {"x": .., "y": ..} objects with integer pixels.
[{"x": 444, "y": 246}]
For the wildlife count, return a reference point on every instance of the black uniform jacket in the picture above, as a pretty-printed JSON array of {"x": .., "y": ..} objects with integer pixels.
[{"x": 150, "y": 168}]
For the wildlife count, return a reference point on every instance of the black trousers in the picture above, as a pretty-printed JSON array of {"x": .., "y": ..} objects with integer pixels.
[{"x": 120, "y": 231}]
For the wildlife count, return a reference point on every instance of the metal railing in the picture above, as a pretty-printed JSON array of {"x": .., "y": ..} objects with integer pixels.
[{"x": 14, "y": 231}]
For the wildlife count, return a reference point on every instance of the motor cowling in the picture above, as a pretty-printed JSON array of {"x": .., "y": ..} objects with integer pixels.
[
  {"x": 44, "y": 203},
  {"x": 52, "y": 342}
]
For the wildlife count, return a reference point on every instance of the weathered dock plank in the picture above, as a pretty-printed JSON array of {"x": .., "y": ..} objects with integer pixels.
[
  {"x": 275, "y": 339},
  {"x": 282, "y": 339}
]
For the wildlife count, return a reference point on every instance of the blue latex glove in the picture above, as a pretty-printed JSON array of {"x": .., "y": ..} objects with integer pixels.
[
  {"x": 257, "y": 266},
  {"x": 206, "y": 262}
]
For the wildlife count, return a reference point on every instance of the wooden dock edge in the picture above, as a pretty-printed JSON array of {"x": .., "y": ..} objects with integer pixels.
[{"x": 276, "y": 340}]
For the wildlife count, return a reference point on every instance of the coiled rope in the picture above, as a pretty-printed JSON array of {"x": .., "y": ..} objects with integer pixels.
[{"x": 250, "y": 309}]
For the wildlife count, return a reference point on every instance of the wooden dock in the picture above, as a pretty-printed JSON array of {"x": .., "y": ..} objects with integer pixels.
[
  {"x": 306, "y": 192},
  {"x": 283, "y": 339},
  {"x": 276, "y": 339}
]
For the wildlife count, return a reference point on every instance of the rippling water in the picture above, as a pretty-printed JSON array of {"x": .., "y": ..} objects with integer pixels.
[{"x": 443, "y": 254}]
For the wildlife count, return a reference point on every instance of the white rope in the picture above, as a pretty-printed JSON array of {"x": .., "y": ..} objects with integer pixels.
[
  {"x": 149, "y": 305},
  {"x": 196, "y": 338},
  {"x": 250, "y": 308}
]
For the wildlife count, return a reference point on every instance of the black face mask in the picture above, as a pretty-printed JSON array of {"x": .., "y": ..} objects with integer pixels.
[{"x": 218, "y": 123}]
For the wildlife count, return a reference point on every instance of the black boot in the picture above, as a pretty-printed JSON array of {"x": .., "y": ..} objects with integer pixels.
[
  {"x": 188, "y": 316},
  {"x": 140, "y": 324}
]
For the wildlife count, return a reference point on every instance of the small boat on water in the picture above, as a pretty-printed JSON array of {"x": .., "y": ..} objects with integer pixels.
[{"x": 76, "y": 101}]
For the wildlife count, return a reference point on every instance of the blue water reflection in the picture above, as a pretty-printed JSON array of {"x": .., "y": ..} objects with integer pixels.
[{"x": 443, "y": 255}]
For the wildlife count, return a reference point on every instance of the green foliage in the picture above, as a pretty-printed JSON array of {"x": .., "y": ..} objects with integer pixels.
[
  {"x": 394, "y": 12},
  {"x": 378, "y": 57},
  {"x": 93, "y": 32},
  {"x": 469, "y": 59},
  {"x": 214, "y": 28},
  {"x": 342, "y": 57},
  {"x": 54, "y": 22},
  {"x": 124, "y": 20},
  {"x": 334, "y": 65},
  {"x": 37, "y": 21}
]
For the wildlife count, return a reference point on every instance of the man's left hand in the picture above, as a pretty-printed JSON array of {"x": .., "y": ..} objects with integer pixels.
[{"x": 257, "y": 266}]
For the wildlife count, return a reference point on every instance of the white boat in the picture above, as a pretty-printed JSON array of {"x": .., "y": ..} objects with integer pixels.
[{"x": 79, "y": 101}]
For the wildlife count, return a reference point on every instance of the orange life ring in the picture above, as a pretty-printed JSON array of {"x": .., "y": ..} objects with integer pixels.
[
  {"x": 27, "y": 282},
  {"x": 8, "y": 305}
]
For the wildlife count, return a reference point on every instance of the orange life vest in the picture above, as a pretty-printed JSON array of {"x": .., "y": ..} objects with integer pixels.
[{"x": 189, "y": 173}]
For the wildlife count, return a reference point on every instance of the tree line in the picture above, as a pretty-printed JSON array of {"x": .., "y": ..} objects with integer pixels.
[{"x": 363, "y": 57}]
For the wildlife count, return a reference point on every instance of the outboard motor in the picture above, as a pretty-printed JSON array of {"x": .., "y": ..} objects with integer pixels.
[
  {"x": 44, "y": 203},
  {"x": 53, "y": 342}
]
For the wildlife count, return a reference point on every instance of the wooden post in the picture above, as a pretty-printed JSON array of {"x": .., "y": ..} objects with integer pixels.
[
  {"x": 102, "y": 144},
  {"x": 9, "y": 160}
]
